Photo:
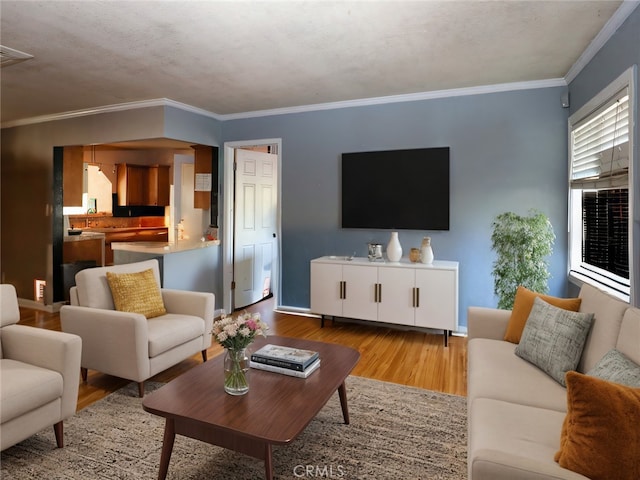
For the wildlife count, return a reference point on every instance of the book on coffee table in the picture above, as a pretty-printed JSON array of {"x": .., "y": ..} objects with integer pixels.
[
  {"x": 286, "y": 371},
  {"x": 285, "y": 357}
]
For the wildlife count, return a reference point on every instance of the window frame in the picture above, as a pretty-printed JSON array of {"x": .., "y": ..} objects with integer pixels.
[{"x": 578, "y": 273}]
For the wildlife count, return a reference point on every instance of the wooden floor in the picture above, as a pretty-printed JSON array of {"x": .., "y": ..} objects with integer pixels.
[{"x": 399, "y": 356}]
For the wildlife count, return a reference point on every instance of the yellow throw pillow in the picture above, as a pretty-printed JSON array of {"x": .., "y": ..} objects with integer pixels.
[
  {"x": 522, "y": 306},
  {"x": 137, "y": 293},
  {"x": 600, "y": 436}
]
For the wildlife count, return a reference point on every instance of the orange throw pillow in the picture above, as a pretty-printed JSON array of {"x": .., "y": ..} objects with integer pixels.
[
  {"x": 522, "y": 306},
  {"x": 600, "y": 436}
]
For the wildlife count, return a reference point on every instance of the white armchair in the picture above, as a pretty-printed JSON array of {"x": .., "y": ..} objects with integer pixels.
[
  {"x": 128, "y": 345},
  {"x": 38, "y": 375}
]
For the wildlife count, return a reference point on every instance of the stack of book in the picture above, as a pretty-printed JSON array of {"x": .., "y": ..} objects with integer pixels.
[{"x": 286, "y": 360}]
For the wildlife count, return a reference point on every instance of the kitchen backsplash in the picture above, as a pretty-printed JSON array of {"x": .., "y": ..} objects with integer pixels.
[{"x": 108, "y": 221}]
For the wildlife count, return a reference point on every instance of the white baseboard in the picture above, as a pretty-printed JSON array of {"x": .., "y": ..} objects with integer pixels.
[{"x": 23, "y": 302}]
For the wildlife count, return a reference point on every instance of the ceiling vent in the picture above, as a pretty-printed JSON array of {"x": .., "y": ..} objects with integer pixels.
[{"x": 9, "y": 56}]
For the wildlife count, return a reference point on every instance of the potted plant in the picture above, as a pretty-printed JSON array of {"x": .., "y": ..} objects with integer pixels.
[{"x": 522, "y": 244}]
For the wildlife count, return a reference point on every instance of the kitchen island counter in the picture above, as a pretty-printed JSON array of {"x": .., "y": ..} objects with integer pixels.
[
  {"x": 162, "y": 248},
  {"x": 184, "y": 265}
]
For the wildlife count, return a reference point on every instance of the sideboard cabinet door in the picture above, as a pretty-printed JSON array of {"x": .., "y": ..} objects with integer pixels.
[
  {"x": 396, "y": 295},
  {"x": 326, "y": 289},
  {"x": 359, "y": 292},
  {"x": 438, "y": 294}
]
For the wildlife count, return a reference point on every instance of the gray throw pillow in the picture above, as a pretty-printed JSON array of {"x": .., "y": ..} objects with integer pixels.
[
  {"x": 616, "y": 367},
  {"x": 553, "y": 339}
]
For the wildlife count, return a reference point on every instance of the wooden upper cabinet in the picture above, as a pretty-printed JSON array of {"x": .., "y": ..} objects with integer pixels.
[
  {"x": 72, "y": 176},
  {"x": 143, "y": 185},
  {"x": 202, "y": 166},
  {"x": 159, "y": 185},
  {"x": 132, "y": 184}
]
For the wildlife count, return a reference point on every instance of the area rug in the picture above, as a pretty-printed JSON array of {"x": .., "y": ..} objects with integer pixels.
[{"x": 395, "y": 432}]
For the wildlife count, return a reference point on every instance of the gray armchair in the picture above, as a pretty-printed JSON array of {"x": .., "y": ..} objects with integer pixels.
[
  {"x": 128, "y": 345},
  {"x": 38, "y": 375}
]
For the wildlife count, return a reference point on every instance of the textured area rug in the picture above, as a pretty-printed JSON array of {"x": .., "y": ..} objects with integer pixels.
[{"x": 395, "y": 432}]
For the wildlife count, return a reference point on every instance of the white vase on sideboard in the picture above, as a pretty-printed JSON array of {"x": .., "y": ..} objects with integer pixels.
[
  {"x": 394, "y": 249},
  {"x": 426, "y": 252}
]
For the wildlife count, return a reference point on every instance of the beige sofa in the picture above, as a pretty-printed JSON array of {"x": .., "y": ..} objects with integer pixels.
[
  {"x": 38, "y": 375},
  {"x": 515, "y": 410},
  {"x": 128, "y": 345}
]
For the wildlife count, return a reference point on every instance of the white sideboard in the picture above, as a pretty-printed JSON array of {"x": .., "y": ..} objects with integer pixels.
[{"x": 403, "y": 293}]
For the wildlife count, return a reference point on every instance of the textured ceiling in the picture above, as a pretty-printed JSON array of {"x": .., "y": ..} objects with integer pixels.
[{"x": 231, "y": 57}]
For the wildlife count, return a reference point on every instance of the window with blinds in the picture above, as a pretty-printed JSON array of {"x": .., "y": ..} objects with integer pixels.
[
  {"x": 599, "y": 194},
  {"x": 600, "y": 147}
]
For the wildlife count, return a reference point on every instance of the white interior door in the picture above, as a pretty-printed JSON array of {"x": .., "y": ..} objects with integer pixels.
[{"x": 255, "y": 243}]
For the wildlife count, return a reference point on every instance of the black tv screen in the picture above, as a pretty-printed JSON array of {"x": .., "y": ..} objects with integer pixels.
[{"x": 396, "y": 189}]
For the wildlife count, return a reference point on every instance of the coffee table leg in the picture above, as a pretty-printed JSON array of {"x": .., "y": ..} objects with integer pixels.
[
  {"x": 268, "y": 462},
  {"x": 342, "y": 391},
  {"x": 167, "y": 448}
]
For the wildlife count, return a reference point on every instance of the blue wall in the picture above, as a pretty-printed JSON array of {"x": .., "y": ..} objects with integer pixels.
[
  {"x": 620, "y": 52},
  {"x": 508, "y": 153}
]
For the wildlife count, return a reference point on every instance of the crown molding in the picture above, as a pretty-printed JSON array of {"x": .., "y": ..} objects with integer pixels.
[
  {"x": 410, "y": 97},
  {"x": 119, "y": 107},
  {"x": 612, "y": 25}
]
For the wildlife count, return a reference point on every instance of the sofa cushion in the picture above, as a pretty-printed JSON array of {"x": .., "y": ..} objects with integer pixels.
[
  {"x": 509, "y": 441},
  {"x": 629, "y": 337},
  {"x": 136, "y": 293},
  {"x": 617, "y": 367},
  {"x": 170, "y": 330},
  {"x": 25, "y": 387},
  {"x": 522, "y": 305},
  {"x": 92, "y": 286},
  {"x": 607, "y": 317},
  {"x": 553, "y": 338},
  {"x": 496, "y": 372},
  {"x": 600, "y": 433}
]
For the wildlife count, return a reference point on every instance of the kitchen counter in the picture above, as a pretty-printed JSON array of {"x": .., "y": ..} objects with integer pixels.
[
  {"x": 88, "y": 246},
  {"x": 84, "y": 236},
  {"x": 162, "y": 248},
  {"x": 129, "y": 235},
  {"x": 121, "y": 229}
]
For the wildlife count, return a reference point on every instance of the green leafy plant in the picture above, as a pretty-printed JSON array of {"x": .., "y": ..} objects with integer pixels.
[{"x": 522, "y": 244}]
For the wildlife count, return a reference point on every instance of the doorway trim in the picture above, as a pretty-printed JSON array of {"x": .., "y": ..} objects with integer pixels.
[{"x": 229, "y": 215}]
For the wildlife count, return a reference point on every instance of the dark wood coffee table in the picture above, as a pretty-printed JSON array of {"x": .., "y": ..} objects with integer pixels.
[{"x": 275, "y": 411}]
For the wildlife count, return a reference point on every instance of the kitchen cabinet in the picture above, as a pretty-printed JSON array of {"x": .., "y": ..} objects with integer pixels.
[
  {"x": 404, "y": 293},
  {"x": 73, "y": 178},
  {"x": 143, "y": 185},
  {"x": 131, "y": 184},
  {"x": 86, "y": 247},
  {"x": 203, "y": 166},
  {"x": 159, "y": 185}
]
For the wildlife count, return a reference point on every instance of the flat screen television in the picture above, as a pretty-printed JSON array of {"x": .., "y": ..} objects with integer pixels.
[{"x": 396, "y": 189}]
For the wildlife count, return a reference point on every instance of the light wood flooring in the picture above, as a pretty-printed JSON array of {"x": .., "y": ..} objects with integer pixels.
[{"x": 399, "y": 356}]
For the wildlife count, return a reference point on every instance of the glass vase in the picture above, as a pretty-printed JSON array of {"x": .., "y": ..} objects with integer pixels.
[{"x": 236, "y": 371}]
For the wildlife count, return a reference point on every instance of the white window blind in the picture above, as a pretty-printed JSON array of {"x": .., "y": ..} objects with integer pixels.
[{"x": 600, "y": 146}]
